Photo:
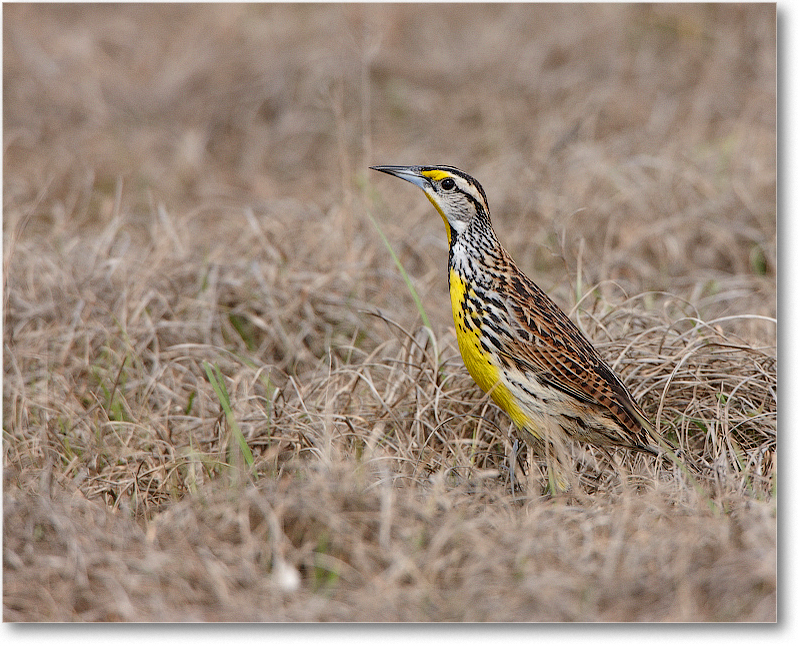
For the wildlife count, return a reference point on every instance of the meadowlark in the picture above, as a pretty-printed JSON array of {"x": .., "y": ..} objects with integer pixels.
[{"x": 517, "y": 344}]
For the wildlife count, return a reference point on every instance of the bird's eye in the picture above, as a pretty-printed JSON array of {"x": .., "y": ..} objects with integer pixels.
[{"x": 448, "y": 184}]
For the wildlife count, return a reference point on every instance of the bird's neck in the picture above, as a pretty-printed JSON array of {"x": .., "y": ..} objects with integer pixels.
[{"x": 475, "y": 247}]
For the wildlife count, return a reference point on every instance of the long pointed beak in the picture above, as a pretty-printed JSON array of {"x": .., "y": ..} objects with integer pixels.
[{"x": 408, "y": 173}]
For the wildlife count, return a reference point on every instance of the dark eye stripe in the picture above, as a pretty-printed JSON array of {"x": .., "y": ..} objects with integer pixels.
[{"x": 475, "y": 203}]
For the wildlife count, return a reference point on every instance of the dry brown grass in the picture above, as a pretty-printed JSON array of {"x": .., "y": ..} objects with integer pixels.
[{"x": 186, "y": 193}]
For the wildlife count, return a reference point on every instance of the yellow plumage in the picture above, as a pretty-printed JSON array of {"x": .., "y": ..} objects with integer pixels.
[{"x": 478, "y": 362}]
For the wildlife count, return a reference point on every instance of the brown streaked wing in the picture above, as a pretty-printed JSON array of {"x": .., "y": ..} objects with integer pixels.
[{"x": 549, "y": 345}]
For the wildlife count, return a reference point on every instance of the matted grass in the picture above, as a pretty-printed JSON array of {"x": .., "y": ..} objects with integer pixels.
[{"x": 219, "y": 400}]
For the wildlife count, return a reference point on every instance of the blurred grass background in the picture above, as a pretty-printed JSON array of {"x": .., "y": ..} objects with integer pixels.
[{"x": 188, "y": 183}]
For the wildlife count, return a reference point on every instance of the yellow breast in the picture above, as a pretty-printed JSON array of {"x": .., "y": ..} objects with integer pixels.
[{"x": 478, "y": 361}]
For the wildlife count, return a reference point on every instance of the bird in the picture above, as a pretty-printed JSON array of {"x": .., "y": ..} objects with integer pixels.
[{"x": 516, "y": 342}]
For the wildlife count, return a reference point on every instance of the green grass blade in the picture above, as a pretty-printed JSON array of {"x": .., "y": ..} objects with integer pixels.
[
  {"x": 425, "y": 321},
  {"x": 215, "y": 378}
]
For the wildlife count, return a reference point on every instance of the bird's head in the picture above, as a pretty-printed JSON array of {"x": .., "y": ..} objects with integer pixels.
[{"x": 457, "y": 197}]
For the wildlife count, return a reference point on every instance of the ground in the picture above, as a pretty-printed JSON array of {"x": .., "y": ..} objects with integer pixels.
[{"x": 231, "y": 388}]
